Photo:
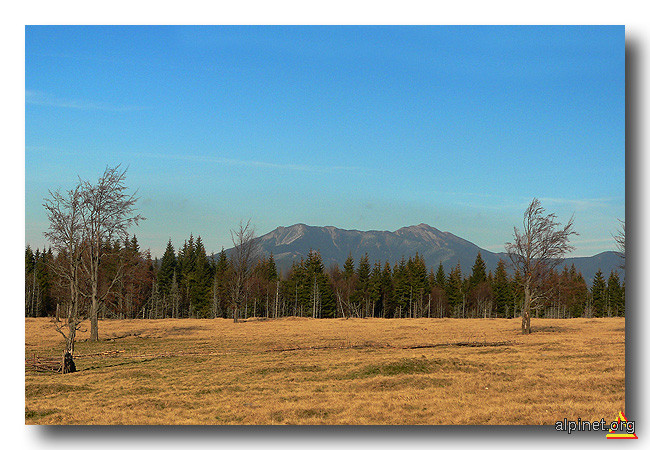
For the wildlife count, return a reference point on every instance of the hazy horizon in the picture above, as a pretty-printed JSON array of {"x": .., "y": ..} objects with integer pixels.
[{"x": 177, "y": 245}]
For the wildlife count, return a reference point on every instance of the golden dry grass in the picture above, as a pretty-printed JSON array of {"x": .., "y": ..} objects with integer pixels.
[{"x": 217, "y": 372}]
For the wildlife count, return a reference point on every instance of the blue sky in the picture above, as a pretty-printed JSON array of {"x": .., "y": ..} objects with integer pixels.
[{"x": 355, "y": 127}]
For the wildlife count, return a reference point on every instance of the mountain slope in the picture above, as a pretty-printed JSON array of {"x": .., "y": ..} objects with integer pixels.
[{"x": 289, "y": 244}]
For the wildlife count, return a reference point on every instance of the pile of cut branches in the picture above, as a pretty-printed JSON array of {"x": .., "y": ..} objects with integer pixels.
[{"x": 43, "y": 364}]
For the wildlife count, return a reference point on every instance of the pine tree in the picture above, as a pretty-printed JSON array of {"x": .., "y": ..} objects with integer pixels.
[
  {"x": 516, "y": 287},
  {"x": 362, "y": 294},
  {"x": 167, "y": 268},
  {"x": 200, "y": 283},
  {"x": 134, "y": 246},
  {"x": 621, "y": 311},
  {"x": 419, "y": 284},
  {"x": 348, "y": 267},
  {"x": 186, "y": 269},
  {"x": 439, "y": 304},
  {"x": 42, "y": 283},
  {"x": 30, "y": 282},
  {"x": 615, "y": 295},
  {"x": 268, "y": 284},
  {"x": 479, "y": 290},
  {"x": 478, "y": 272},
  {"x": 297, "y": 290},
  {"x": 401, "y": 288},
  {"x": 388, "y": 305},
  {"x": 375, "y": 290},
  {"x": 502, "y": 292},
  {"x": 175, "y": 297},
  {"x": 29, "y": 260},
  {"x": 321, "y": 295},
  {"x": 454, "y": 291},
  {"x": 598, "y": 289},
  {"x": 441, "y": 278},
  {"x": 349, "y": 285},
  {"x": 221, "y": 286},
  {"x": 272, "y": 271}
]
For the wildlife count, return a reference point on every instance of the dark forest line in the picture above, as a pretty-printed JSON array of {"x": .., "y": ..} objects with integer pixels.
[{"x": 186, "y": 282}]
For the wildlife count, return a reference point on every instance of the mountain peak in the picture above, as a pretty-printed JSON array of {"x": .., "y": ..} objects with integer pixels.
[
  {"x": 424, "y": 226},
  {"x": 335, "y": 244},
  {"x": 421, "y": 227},
  {"x": 291, "y": 243}
]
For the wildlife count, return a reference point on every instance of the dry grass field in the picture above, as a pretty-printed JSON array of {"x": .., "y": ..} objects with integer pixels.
[{"x": 331, "y": 371}]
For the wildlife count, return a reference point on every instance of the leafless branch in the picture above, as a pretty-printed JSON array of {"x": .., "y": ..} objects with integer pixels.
[
  {"x": 537, "y": 250},
  {"x": 244, "y": 256},
  {"x": 620, "y": 242}
]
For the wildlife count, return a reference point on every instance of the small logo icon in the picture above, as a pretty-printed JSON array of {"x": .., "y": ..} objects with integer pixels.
[{"x": 621, "y": 428}]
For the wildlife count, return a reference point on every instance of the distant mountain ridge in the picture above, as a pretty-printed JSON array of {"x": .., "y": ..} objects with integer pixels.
[{"x": 289, "y": 244}]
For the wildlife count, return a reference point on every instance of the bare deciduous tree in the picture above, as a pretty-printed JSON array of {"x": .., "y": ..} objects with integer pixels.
[
  {"x": 244, "y": 256},
  {"x": 107, "y": 213},
  {"x": 65, "y": 233},
  {"x": 620, "y": 242},
  {"x": 536, "y": 251}
]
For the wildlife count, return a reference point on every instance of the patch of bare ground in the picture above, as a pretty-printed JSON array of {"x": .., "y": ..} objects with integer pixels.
[{"x": 330, "y": 371}]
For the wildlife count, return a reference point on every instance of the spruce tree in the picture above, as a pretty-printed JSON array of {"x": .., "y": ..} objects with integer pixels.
[
  {"x": 598, "y": 289},
  {"x": 454, "y": 291},
  {"x": 441, "y": 278},
  {"x": 502, "y": 292},
  {"x": 480, "y": 292},
  {"x": 348, "y": 267},
  {"x": 388, "y": 305},
  {"x": 167, "y": 268},
  {"x": 186, "y": 279},
  {"x": 361, "y": 296},
  {"x": 401, "y": 288},
  {"x": 350, "y": 284},
  {"x": 29, "y": 260},
  {"x": 43, "y": 300},
  {"x": 419, "y": 283},
  {"x": 30, "y": 282},
  {"x": 272, "y": 271},
  {"x": 621, "y": 311},
  {"x": 134, "y": 246},
  {"x": 297, "y": 289},
  {"x": 478, "y": 271},
  {"x": 439, "y": 304},
  {"x": 516, "y": 287},
  {"x": 615, "y": 295},
  {"x": 321, "y": 295},
  {"x": 200, "y": 283},
  {"x": 375, "y": 290},
  {"x": 175, "y": 297},
  {"x": 221, "y": 285}
]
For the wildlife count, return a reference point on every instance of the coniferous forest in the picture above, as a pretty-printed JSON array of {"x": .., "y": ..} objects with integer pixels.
[{"x": 188, "y": 283}]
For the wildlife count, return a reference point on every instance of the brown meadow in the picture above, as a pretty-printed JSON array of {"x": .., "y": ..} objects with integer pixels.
[{"x": 331, "y": 371}]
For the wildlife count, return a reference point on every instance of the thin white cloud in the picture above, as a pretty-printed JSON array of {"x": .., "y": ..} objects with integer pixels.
[
  {"x": 609, "y": 241},
  {"x": 44, "y": 99},
  {"x": 249, "y": 163},
  {"x": 581, "y": 204}
]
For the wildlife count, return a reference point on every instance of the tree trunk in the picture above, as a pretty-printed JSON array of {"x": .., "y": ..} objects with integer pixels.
[
  {"x": 525, "y": 312},
  {"x": 68, "y": 365},
  {"x": 94, "y": 331},
  {"x": 277, "y": 298}
]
